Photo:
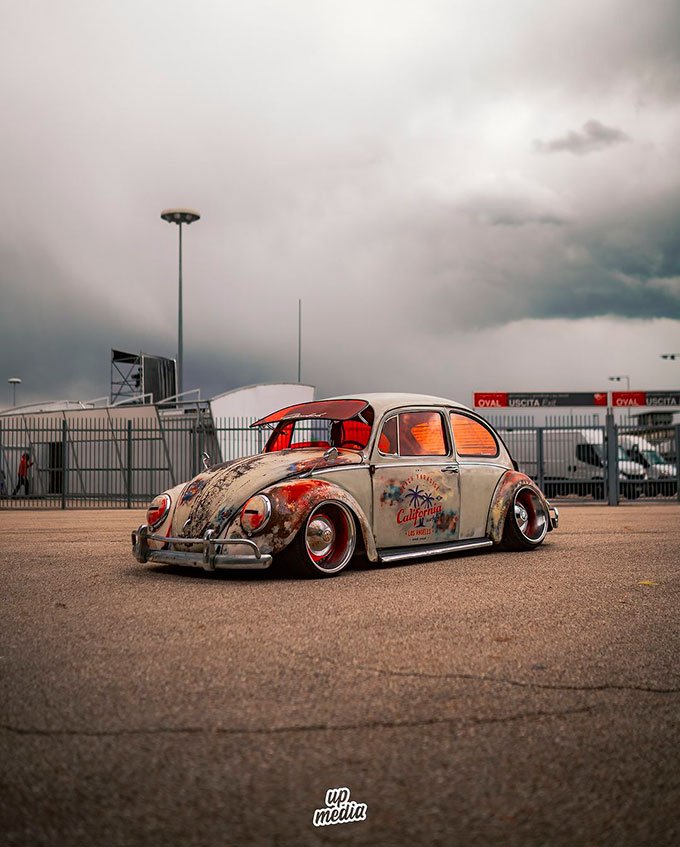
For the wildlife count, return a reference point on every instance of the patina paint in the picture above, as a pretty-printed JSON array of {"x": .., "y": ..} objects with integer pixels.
[
  {"x": 218, "y": 493},
  {"x": 503, "y": 496},
  {"x": 291, "y": 502}
]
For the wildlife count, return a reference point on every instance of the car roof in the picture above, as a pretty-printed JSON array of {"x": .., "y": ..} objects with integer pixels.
[{"x": 386, "y": 401}]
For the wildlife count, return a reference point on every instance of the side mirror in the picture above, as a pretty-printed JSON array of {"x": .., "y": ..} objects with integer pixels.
[
  {"x": 207, "y": 461},
  {"x": 330, "y": 454}
]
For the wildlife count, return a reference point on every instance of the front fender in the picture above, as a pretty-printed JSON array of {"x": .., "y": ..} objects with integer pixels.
[
  {"x": 166, "y": 527},
  {"x": 507, "y": 487},
  {"x": 292, "y": 501}
]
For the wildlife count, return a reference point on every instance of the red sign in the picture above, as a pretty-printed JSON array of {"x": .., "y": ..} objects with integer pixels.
[
  {"x": 538, "y": 399},
  {"x": 629, "y": 398},
  {"x": 645, "y": 398},
  {"x": 491, "y": 399}
]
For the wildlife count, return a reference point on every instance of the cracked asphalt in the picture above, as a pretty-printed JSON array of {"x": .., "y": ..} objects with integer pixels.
[{"x": 492, "y": 698}]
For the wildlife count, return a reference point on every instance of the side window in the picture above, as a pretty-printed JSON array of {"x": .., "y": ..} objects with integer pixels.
[
  {"x": 588, "y": 454},
  {"x": 354, "y": 433},
  {"x": 472, "y": 437},
  {"x": 387, "y": 443},
  {"x": 422, "y": 434}
]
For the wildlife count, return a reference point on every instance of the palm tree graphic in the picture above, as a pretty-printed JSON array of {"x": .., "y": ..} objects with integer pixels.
[{"x": 415, "y": 496}]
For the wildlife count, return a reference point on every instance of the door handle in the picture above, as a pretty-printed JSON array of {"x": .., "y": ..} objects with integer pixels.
[{"x": 451, "y": 469}]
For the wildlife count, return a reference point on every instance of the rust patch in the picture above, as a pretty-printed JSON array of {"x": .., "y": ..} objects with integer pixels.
[
  {"x": 213, "y": 497},
  {"x": 292, "y": 501},
  {"x": 506, "y": 489}
]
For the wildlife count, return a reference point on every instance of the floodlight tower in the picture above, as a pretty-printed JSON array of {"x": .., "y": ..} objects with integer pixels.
[
  {"x": 14, "y": 381},
  {"x": 179, "y": 217}
]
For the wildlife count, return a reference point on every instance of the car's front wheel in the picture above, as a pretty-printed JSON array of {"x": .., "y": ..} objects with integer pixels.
[
  {"x": 526, "y": 524},
  {"x": 325, "y": 543}
]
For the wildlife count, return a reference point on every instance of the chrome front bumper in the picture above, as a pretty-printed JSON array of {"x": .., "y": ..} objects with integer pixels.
[
  {"x": 554, "y": 516},
  {"x": 208, "y": 558}
]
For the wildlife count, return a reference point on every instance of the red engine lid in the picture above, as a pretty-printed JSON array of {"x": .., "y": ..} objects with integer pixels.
[{"x": 332, "y": 410}]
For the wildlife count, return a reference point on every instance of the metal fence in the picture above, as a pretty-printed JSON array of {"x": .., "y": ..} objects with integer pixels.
[
  {"x": 112, "y": 463},
  {"x": 109, "y": 463},
  {"x": 585, "y": 459}
]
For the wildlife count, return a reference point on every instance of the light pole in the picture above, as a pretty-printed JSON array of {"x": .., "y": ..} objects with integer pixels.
[
  {"x": 618, "y": 379},
  {"x": 179, "y": 217},
  {"x": 14, "y": 381}
]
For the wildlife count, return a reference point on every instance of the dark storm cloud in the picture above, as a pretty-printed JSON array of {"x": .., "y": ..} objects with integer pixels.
[
  {"x": 511, "y": 207},
  {"x": 344, "y": 154},
  {"x": 594, "y": 137},
  {"x": 58, "y": 337},
  {"x": 474, "y": 274}
]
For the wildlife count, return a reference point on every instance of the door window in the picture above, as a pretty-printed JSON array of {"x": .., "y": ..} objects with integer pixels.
[{"x": 422, "y": 434}]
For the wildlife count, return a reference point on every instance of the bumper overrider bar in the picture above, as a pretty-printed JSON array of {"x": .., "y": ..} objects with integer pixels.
[
  {"x": 208, "y": 558},
  {"x": 554, "y": 516}
]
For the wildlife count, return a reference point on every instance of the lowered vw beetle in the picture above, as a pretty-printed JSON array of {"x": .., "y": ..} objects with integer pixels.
[{"x": 393, "y": 476}]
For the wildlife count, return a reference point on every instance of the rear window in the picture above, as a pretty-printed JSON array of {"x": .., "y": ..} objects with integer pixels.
[
  {"x": 472, "y": 438},
  {"x": 322, "y": 433}
]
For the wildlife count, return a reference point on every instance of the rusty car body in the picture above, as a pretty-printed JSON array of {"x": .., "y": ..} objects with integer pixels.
[{"x": 392, "y": 476}]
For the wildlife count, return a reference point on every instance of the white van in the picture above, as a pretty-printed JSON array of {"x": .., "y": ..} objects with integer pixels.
[
  {"x": 573, "y": 462},
  {"x": 664, "y": 475}
]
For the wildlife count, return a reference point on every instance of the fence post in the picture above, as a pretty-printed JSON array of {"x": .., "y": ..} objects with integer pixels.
[
  {"x": 677, "y": 458},
  {"x": 128, "y": 474},
  {"x": 612, "y": 460},
  {"x": 194, "y": 448},
  {"x": 64, "y": 462},
  {"x": 539, "y": 457}
]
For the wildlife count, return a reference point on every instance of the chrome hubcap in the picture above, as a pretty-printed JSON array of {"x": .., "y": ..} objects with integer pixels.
[
  {"x": 330, "y": 536},
  {"x": 320, "y": 535},
  {"x": 522, "y": 516}
]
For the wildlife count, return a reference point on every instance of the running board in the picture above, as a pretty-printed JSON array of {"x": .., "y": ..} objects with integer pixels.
[{"x": 399, "y": 553}]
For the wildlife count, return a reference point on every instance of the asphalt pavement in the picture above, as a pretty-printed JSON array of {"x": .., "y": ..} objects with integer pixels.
[{"x": 491, "y": 698}]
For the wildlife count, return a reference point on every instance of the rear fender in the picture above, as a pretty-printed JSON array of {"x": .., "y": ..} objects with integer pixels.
[
  {"x": 502, "y": 499},
  {"x": 292, "y": 501}
]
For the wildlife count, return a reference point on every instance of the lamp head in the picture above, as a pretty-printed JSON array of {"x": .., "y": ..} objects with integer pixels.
[{"x": 180, "y": 216}]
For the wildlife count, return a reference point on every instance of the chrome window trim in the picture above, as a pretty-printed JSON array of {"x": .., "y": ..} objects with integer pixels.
[
  {"x": 416, "y": 465},
  {"x": 372, "y": 447},
  {"x": 493, "y": 463}
]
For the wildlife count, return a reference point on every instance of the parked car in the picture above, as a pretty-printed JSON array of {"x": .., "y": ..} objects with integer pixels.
[
  {"x": 393, "y": 476},
  {"x": 662, "y": 475},
  {"x": 574, "y": 462}
]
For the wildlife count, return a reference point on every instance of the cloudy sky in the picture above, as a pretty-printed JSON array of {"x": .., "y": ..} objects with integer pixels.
[{"x": 475, "y": 195}]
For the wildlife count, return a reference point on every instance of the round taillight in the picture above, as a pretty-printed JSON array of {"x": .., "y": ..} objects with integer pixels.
[
  {"x": 158, "y": 510},
  {"x": 256, "y": 513}
]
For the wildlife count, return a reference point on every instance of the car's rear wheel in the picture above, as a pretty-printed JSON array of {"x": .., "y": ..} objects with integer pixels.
[
  {"x": 526, "y": 523},
  {"x": 325, "y": 543}
]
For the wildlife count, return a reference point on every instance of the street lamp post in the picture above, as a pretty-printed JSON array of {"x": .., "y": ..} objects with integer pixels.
[
  {"x": 14, "y": 381},
  {"x": 618, "y": 379},
  {"x": 179, "y": 217}
]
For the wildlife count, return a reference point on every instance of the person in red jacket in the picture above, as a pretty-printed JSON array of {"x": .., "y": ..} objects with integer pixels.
[{"x": 22, "y": 476}]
